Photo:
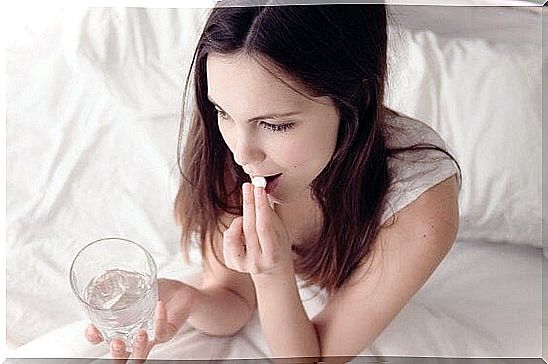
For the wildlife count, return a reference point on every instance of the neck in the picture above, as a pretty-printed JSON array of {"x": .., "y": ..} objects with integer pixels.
[{"x": 301, "y": 218}]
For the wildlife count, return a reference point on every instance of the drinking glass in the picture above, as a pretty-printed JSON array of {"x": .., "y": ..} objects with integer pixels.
[{"x": 115, "y": 281}]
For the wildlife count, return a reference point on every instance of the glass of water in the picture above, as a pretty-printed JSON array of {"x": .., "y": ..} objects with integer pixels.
[{"x": 115, "y": 281}]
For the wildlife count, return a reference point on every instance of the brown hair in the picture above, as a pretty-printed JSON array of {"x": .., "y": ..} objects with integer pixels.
[{"x": 332, "y": 50}]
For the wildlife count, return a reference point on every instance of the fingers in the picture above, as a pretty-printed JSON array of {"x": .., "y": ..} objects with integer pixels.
[
  {"x": 259, "y": 230},
  {"x": 141, "y": 347},
  {"x": 264, "y": 220},
  {"x": 253, "y": 247},
  {"x": 93, "y": 335},
  {"x": 118, "y": 351},
  {"x": 160, "y": 322},
  {"x": 163, "y": 329}
]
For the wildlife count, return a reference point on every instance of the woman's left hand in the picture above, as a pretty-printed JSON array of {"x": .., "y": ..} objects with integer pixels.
[{"x": 257, "y": 242}]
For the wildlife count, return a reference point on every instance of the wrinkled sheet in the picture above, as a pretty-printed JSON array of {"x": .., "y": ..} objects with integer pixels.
[{"x": 484, "y": 300}]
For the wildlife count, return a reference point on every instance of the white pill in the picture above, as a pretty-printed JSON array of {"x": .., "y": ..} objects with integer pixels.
[{"x": 259, "y": 182}]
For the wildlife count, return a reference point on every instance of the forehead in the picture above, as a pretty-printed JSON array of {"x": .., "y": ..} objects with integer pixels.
[{"x": 231, "y": 78}]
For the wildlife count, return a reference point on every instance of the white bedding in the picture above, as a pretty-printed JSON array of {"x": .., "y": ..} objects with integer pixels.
[
  {"x": 453, "y": 315},
  {"x": 92, "y": 110}
]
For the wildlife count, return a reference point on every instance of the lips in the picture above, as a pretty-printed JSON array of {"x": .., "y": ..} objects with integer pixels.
[
  {"x": 270, "y": 178},
  {"x": 272, "y": 182}
]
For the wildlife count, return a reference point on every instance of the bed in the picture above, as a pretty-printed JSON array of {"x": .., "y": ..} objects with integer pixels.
[{"x": 93, "y": 98}]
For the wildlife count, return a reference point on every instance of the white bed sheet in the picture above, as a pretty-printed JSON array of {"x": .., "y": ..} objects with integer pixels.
[
  {"x": 484, "y": 300},
  {"x": 91, "y": 152}
]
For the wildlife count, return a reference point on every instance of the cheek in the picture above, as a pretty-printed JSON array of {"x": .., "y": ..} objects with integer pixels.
[
  {"x": 291, "y": 155},
  {"x": 320, "y": 152},
  {"x": 305, "y": 154},
  {"x": 302, "y": 159},
  {"x": 317, "y": 150}
]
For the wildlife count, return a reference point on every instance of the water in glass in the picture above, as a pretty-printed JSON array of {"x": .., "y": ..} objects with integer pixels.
[{"x": 120, "y": 303}]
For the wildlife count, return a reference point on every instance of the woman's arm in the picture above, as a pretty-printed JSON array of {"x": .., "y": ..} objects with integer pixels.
[
  {"x": 404, "y": 256},
  {"x": 226, "y": 301},
  {"x": 286, "y": 326},
  {"x": 219, "y": 311},
  {"x": 257, "y": 243}
]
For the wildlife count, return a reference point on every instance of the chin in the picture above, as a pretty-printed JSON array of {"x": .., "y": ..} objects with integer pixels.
[
  {"x": 276, "y": 199},
  {"x": 281, "y": 198}
]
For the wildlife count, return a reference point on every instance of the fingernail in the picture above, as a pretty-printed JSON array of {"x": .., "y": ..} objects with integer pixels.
[
  {"x": 258, "y": 191},
  {"x": 141, "y": 337},
  {"x": 117, "y": 346}
]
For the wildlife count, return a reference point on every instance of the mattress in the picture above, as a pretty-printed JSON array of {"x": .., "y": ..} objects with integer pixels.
[{"x": 91, "y": 152}]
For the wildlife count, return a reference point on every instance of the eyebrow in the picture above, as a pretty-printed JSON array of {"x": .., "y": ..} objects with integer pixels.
[{"x": 260, "y": 117}]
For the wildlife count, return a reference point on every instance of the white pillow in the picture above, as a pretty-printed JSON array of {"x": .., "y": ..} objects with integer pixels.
[{"x": 484, "y": 99}]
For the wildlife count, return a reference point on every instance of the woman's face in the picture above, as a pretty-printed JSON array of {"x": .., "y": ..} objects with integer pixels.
[{"x": 269, "y": 128}]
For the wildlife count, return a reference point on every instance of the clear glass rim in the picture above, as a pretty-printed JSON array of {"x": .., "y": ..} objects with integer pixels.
[{"x": 71, "y": 272}]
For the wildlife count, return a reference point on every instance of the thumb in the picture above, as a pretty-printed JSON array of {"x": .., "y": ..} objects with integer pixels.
[
  {"x": 162, "y": 328},
  {"x": 93, "y": 335}
]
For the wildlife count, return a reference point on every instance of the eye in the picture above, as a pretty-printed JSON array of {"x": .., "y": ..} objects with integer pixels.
[
  {"x": 221, "y": 114},
  {"x": 278, "y": 127}
]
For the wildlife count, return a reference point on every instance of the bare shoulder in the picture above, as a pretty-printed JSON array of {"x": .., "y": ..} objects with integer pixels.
[
  {"x": 404, "y": 255},
  {"x": 427, "y": 226},
  {"x": 436, "y": 208}
]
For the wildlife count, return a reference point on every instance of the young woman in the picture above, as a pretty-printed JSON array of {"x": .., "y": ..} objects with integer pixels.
[{"x": 360, "y": 201}]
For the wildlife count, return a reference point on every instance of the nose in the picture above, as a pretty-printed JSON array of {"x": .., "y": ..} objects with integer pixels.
[{"x": 247, "y": 151}]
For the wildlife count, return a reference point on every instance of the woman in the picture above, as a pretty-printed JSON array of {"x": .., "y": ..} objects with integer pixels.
[{"x": 295, "y": 94}]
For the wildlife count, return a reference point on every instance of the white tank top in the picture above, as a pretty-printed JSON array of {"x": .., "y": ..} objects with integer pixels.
[{"x": 414, "y": 172}]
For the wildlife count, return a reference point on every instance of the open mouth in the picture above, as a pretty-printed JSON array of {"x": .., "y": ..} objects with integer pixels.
[
  {"x": 271, "y": 182},
  {"x": 270, "y": 178}
]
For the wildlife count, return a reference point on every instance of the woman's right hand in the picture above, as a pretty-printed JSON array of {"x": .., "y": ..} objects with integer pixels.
[{"x": 172, "y": 310}]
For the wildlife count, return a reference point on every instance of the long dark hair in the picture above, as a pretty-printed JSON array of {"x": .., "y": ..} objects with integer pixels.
[{"x": 331, "y": 50}]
